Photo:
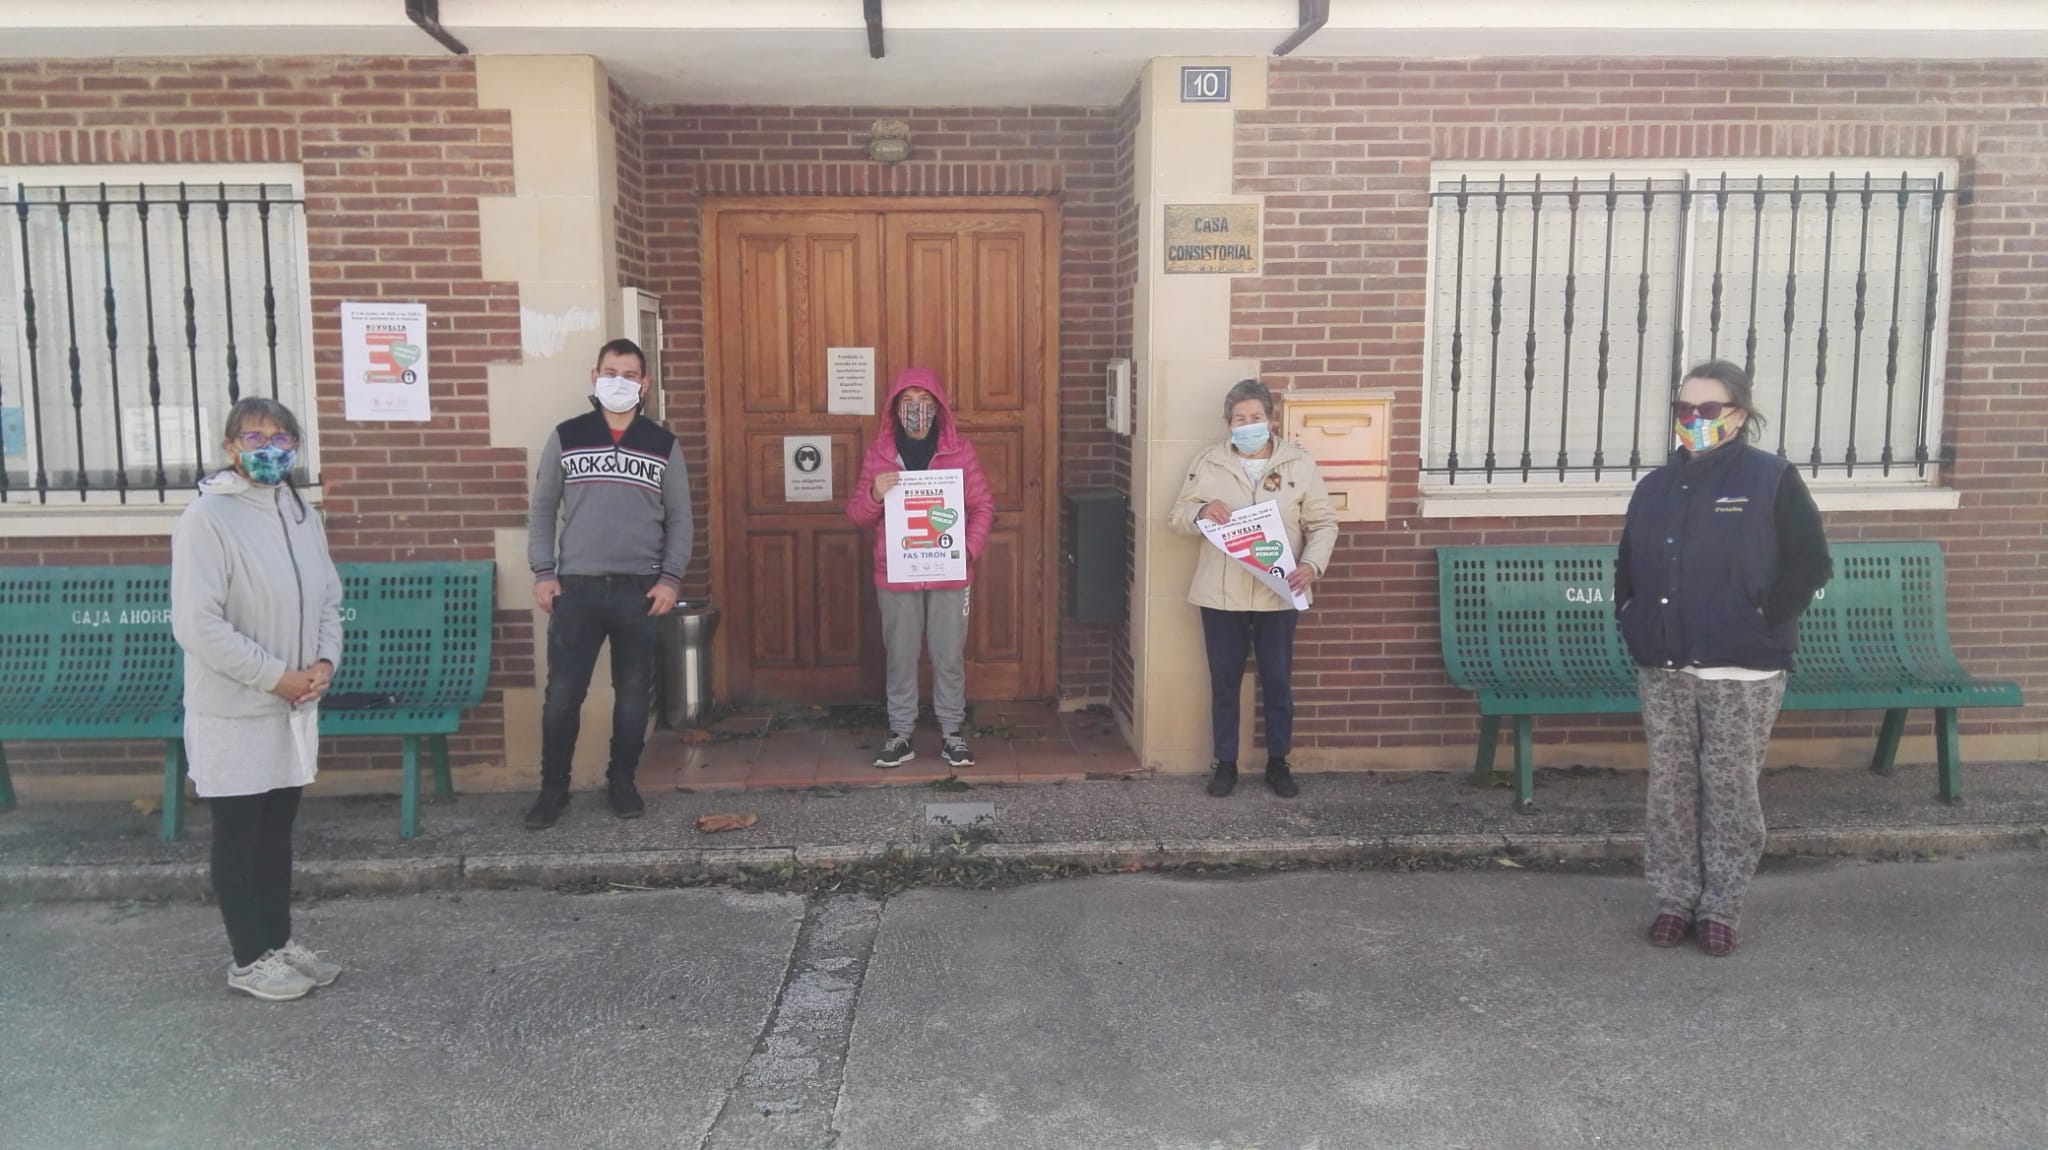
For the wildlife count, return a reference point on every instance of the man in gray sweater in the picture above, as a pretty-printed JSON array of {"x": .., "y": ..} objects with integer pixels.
[{"x": 610, "y": 534}]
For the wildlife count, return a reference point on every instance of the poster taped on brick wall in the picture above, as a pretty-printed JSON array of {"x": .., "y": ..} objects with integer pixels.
[
  {"x": 925, "y": 519},
  {"x": 384, "y": 362},
  {"x": 1257, "y": 538}
]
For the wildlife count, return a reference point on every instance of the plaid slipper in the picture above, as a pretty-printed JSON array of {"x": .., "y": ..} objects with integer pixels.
[
  {"x": 1670, "y": 929},
  {"x": 1717, "y": 938}
]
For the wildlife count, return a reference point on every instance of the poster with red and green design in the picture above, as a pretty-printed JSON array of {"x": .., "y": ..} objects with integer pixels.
[
  {"x": 925, "y": 520},
  {"x": 1257, "y": 538}
]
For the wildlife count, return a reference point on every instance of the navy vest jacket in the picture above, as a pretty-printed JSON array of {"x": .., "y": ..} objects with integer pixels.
[{"x": 1702, "y": 551}]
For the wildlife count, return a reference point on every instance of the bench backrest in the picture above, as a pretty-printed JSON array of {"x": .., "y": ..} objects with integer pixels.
[
  {"x": 89, "y": 649},
  {"x": 1539, "y": 617},
  {"x": 420, "y": 631}
]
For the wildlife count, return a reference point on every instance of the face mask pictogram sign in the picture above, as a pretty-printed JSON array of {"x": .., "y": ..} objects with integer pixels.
[{"x": 807, "y": 468}]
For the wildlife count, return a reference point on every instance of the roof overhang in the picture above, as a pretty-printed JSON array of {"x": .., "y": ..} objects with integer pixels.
[{"x": 1008, "y": 52}]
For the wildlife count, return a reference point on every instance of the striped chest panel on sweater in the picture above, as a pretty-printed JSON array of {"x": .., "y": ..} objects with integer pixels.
[
  {"x": 613, "y": 464},
  {"x": 639, "y": 459}
]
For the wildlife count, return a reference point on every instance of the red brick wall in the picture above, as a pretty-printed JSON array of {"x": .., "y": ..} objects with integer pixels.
[
  {"x": 395, "y": 153},
  {"x": 692, "y": 153},
  {"x": 1343, "y": 156},
  {"x": 1122, "y": 685},
  {"x": 630, "y": 215}
]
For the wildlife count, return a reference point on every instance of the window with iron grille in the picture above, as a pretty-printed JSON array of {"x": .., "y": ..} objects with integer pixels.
[
  {"x": 136, "y": 307},
  {"x": 1565, "y": 306}
]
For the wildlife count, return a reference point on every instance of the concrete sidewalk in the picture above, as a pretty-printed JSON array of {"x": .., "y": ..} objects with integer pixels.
[{"x": 350, "y": 845}]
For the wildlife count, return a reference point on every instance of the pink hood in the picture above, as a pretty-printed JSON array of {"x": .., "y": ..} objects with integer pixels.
[{"x": 924, "y": 377}]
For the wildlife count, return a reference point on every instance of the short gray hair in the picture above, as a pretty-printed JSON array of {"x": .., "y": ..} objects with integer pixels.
[
  {"x": 258, "y": 409},
  {"x": 1247, "y": 389}
]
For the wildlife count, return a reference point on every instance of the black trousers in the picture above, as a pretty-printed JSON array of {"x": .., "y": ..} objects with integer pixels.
[
  {"x": 1230, "y": 637},
  {"x": 593, "y": 610},
  {"x": 252, "y": 869}
]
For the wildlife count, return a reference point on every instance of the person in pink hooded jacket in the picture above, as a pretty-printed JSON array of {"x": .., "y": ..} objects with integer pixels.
[{"x": 920, "y": 435}]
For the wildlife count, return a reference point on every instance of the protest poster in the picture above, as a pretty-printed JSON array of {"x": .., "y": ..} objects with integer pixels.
[
  {"x": 1256, "y": 537},
  {"x": 924, "y": 519},
  {"x": 384, "y": 362}
]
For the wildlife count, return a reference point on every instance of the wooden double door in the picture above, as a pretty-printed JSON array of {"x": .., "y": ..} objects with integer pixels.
[{"x": 964, "y": 287}]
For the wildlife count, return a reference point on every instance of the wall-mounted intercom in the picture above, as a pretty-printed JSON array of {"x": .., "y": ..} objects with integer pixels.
[{"x": 1119, "y": 396}]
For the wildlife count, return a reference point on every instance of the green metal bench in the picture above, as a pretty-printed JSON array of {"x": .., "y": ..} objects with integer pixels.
[
  {"x": 1531, "y": 631},
  {"x": 86, "y": 653}
]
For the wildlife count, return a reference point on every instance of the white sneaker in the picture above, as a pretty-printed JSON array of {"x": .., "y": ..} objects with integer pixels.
[
  {"x": 269, "y": 978},
  {"x": 321, "y": 971}
]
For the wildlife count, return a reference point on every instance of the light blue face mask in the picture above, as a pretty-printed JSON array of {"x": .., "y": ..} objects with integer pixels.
[
  {"x": 268, "y": 465},
  {"x": 1251, "y": 438}
]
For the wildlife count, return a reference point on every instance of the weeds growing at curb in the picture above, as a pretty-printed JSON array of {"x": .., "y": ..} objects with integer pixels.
[{"x": 955, "y": 861}]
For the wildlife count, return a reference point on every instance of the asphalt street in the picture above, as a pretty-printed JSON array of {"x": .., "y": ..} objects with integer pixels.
[{"x": 1871, "y": 1005}]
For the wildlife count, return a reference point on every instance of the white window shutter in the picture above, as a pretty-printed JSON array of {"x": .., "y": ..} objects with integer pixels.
[
  {"x": 1559, "y": 414},
  {"x": 124, "y": 434},
  {"x": 1854, "y": 407}
]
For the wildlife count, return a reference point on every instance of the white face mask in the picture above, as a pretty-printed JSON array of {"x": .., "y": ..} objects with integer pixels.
[{"x": 616, "y": 394}]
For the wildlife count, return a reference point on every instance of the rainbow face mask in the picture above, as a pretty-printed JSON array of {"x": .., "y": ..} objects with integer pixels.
[{"x": 1700, "y": 435}]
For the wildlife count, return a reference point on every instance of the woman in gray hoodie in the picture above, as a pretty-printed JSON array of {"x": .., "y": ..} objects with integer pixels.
[{"x": 256, "y": 604}]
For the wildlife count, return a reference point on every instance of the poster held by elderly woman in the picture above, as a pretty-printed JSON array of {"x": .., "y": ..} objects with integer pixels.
[{"x": 1256, "y": 536}]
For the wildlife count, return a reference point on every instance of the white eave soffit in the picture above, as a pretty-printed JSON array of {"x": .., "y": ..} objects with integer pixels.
[{"x": 993, "y": 52}]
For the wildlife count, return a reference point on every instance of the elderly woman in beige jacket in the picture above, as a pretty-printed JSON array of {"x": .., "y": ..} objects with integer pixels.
[{"x": 1240, "y": 614}]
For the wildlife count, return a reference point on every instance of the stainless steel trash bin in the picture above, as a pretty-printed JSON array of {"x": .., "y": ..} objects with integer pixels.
[{"x": 686, "y": 664}]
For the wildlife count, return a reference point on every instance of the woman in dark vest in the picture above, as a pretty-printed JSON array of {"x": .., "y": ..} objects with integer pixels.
[{"x": 1722, "y": 551}]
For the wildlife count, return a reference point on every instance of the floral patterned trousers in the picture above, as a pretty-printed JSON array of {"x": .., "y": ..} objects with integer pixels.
[{"x": 1705, "y": 830}]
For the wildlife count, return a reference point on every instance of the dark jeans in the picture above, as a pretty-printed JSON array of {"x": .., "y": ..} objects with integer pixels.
[
  {"x": 590, "y": 610},
  {"x": 1230, "y": 636},
  {"x": 252, "y": 869}
]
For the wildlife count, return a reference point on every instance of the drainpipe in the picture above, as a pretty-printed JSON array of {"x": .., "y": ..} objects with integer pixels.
[
  {"x": 427, "y": 14},
  {"x": 872, "y": 10},
  {"x": 1314, "y": 14}
]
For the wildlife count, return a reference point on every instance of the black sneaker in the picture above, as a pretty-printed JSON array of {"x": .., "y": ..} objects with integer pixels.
[
  {"x": 625, "y": 799},
  {"x": 1280, "y": 777},
  {"x": 895, "y": 752},
  {"x": 1224, "y": 780},
  {"x": 547, "y": 808},
  {"x": 956, "y": 751}
]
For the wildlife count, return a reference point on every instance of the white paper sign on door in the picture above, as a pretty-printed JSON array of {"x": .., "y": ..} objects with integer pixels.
[
  {"x": 807, "y": 468},
  {"x": 1256, "y": 537},
  {"x": 384, "y": 362},
  {"x": 925, "y": 520},
  {"x": 850, "y": 380}
]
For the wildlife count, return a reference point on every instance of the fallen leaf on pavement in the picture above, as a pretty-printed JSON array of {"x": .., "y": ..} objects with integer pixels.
[
  {"x": 1509, "y": 863},
  {"x": 712, "y": 824},
  {"x": 144, "y": 806},
  {"x": 696, "y": 735}
]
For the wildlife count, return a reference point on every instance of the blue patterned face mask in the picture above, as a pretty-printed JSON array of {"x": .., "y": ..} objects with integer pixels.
[
  {"x": 1251, "y": 438},
  {"x": 268, "y": 465}
]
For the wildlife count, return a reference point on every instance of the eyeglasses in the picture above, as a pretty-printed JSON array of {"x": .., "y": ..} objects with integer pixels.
[
  {"x": 256, "y": 441},
  {"x": 1710, "y": 411}
]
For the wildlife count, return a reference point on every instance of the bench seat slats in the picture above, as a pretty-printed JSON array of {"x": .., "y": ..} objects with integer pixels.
[
  {"x": 86, "y": 653},
  {"x": 1532, "y": 631}
]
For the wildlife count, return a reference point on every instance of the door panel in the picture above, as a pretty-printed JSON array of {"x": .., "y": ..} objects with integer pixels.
[
  {"x": 788, "y": 287},
  {"x": 998, "y": 326},
  {"x": 845, "y": 594},
  {"x": 962, "y": 291},
  {"x": 771, "y": 623}
]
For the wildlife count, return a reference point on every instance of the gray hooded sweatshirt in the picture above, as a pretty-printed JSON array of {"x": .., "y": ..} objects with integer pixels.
[{"x": 253, "y": 595}]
